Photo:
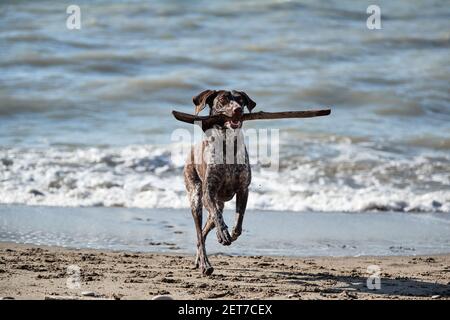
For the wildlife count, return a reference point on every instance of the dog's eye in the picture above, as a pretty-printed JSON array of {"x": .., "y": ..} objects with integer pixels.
[{"x": 223, "y": 101}]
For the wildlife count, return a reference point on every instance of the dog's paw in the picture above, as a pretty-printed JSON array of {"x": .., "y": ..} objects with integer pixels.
[
  {"x": 223, "y": 236},
  {"x": 235, "y": 233},
  {"x": 207, "y": 270}
]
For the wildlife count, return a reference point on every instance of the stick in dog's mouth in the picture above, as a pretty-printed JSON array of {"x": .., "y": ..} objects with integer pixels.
[{"x": 235, "y": 122}]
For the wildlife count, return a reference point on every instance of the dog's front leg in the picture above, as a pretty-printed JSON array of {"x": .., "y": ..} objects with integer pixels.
[{"x": 241, "y": 205}]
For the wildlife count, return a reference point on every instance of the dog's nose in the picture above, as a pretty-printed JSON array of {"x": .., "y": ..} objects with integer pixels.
[{"x": 237, "y": 109}]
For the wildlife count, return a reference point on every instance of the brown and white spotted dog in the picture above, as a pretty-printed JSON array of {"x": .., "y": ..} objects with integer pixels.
[{"x": 211, "y": 178}]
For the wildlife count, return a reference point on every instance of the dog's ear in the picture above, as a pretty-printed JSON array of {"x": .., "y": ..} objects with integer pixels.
[
  {"x": 247, "y": 100},
  {"x": 204, "y": 98}
]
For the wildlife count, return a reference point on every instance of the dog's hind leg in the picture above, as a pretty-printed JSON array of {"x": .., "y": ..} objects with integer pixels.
[
  {"x": 209, "y": 225},
  {"x": 241, "y": 205},
  {"x": 206, "y": 229},
  {"x": 196, "y": 207},
  {"x": 197, "y": 216},
  {"x": 210, "y": 222},
  {"x": 194, "y": 189}
]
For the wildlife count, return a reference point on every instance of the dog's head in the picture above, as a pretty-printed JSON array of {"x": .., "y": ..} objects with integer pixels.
[{"x": 229, "y": 103}]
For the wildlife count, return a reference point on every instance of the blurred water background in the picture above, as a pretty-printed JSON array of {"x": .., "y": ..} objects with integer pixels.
[{"x": 85, "y": 114}]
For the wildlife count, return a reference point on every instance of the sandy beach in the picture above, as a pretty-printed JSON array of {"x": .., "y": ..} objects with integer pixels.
[{"x": 39, "y": 272}]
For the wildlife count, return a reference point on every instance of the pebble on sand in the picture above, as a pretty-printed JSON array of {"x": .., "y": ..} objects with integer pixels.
[
  {"x": 162, "y": 297},
  {"x": 90, "y": 294}
]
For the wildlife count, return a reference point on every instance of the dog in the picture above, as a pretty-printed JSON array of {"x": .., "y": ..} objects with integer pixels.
[{"x": 214, "y": 179}]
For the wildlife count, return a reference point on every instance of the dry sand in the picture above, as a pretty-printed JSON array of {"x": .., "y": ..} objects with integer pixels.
[{"x": 31, "y": 272}]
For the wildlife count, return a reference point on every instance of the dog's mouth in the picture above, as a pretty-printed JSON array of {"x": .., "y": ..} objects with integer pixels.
[{"x": 233, "y": 124}]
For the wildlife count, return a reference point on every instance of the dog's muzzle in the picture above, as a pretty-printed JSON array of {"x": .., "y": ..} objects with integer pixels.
[{"x": 235, "y": 122}]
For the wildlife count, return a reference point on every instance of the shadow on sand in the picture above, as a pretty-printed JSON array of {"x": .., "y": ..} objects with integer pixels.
[{"x": 349, "y": 285}]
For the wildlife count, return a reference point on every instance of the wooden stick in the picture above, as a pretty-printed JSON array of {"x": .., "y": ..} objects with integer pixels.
[
  {"x": 285, "y": 114},
  {"x": 209, "y": 121}
]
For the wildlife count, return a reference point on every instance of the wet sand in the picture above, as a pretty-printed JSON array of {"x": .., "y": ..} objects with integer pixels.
[
  {"x": 32, "y": 272},
  {"x": 273, "y": 233}
]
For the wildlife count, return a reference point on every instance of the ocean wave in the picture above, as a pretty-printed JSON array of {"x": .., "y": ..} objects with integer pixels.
[
  {"x": 430, "y": 141},
  {"x": 41, "y": 60},
  {"x": 330, "y": 94},
  {"x": 142, "y": 88},
  {"x": 12, "y": 105},
  {"x": 411, "y": 42},
  {"x": 351, "y": 178}
]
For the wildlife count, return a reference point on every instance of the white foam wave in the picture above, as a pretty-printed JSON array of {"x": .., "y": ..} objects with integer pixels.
[{"x": 354, "y": 178}]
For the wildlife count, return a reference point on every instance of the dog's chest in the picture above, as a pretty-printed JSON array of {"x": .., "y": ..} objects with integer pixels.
[
  {"x": 235, "y": 175},
  {"x": 233, "y": 178}
]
